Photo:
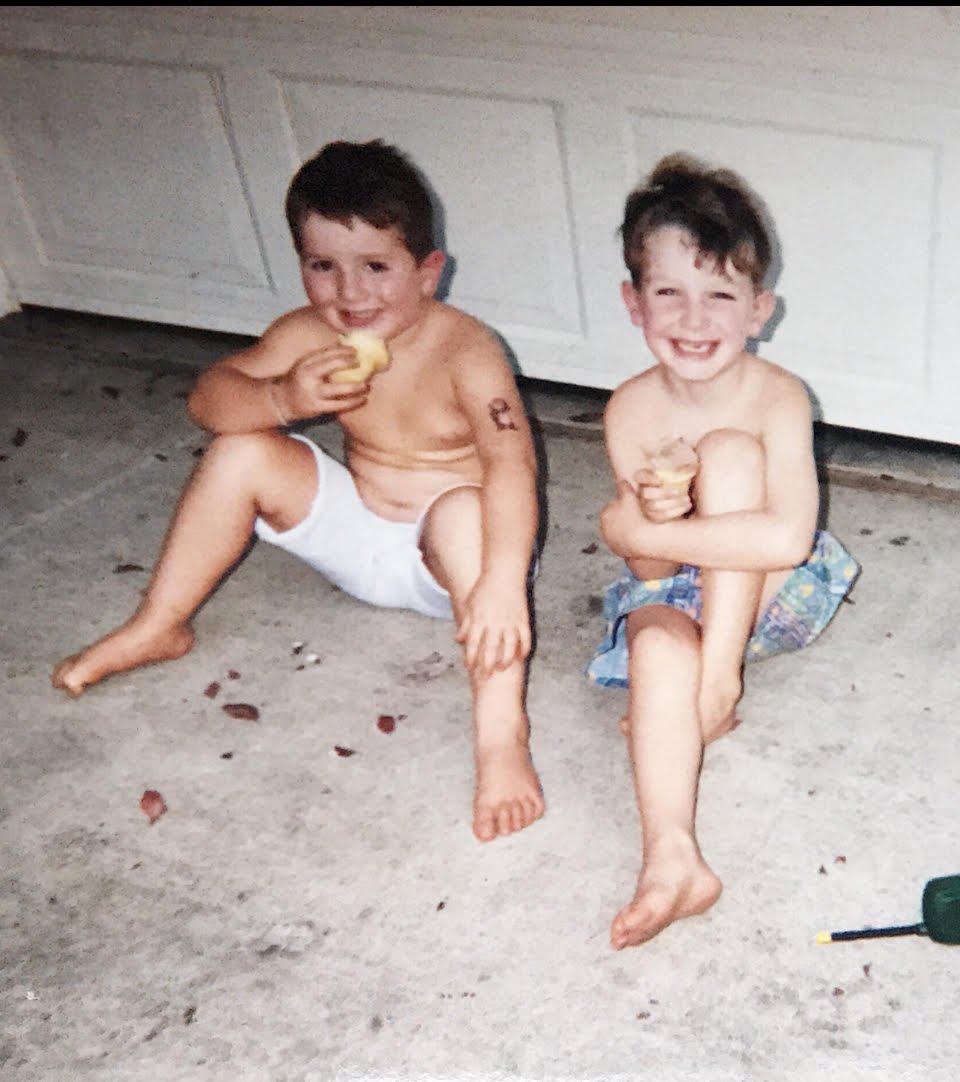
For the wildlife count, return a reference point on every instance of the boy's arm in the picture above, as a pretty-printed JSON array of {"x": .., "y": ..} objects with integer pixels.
[
  {"x": 495, "y": 627},
  {"x": 776, "y": 536},
  {"x": 623, "y": 427},
  {"x": 279, "y": 379}
]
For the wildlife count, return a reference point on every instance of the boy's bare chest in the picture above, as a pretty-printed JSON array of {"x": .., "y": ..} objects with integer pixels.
[{"x": 419, "y": 414}]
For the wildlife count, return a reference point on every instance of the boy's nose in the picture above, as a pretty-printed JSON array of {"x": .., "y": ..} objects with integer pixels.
[
  {"x": 694, "y": 316},
  {"x": 351, "y": 286}
]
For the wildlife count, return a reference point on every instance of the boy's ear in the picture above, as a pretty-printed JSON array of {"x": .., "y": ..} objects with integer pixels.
[
  {"x": 631, "y": 298},
  {"x": 763, "y": 305},
  {"x": 430, "y": 270}
]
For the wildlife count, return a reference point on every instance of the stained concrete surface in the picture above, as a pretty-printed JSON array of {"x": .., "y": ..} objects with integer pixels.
[{"x": 299, "y": 916}]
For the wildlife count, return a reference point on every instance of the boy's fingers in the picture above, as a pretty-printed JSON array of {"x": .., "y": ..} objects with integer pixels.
[
  {"x": 474, "y": 649},
  {"x": 496, "y": 657}
]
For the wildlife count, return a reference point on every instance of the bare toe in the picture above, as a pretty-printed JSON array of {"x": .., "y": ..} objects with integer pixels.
[
  {"x": 64, "y": 677},
  {"x": 508, "y": 796}
]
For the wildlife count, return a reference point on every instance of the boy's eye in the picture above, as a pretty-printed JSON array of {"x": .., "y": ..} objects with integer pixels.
[
  {"x": 721, "y": 295},
  {"x": 665, "y": 291},
  {"x": 377, "y": 267},
  {"x": 319, "y": 264}
]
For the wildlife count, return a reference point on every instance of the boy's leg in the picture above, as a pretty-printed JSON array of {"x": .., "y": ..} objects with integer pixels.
[
  {"x": 239, "y": 477},
  {"x": 730, "y": 478},
  {"x": 666, "y": 750},
  {"x": 508, "y": 796}
]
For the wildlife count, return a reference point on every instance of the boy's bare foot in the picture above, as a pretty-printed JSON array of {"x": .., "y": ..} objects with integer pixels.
[
  {"x": 667, "y": 891},
  {"x": 508, "y": 795},
  {"x": 126, "y": 648}
]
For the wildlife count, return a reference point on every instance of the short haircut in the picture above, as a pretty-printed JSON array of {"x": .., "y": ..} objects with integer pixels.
[
  {"x": 370, "y": 181},
  {"x": 715, "y": 206}
]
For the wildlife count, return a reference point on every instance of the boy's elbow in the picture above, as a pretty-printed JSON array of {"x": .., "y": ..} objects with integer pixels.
[
  {"x": 797, "y": 545},
  {"x": 197, "y": 408}
]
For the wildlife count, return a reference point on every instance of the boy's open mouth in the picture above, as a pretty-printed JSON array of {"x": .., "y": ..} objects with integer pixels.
[
  {"x": 695, "y": 350},
  {"x": 357, "y": 320}
]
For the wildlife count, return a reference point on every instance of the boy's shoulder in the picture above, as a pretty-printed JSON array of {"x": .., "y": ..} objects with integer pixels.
[
  {"x": 302, "y": 322},
  {"x": 778, "y": 384},
  {"x": 293, "y": 334},
  {"x": 635, "y": 391},
  {"x": 460, "y": 338}
]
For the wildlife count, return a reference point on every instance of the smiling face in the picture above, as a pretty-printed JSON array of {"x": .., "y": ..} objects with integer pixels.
[
  {"x": 696, "y": 316},
  {"x": 358, "y": 276}
]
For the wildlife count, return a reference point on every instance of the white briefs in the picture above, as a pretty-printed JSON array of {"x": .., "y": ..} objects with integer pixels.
[{"x": 367, "y": 556}]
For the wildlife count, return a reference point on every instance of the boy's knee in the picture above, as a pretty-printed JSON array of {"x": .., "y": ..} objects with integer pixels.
[
  {"x": 730, "y": 447},
  {"x": 452, "y": 525},
  {"x": 243, "y": 452},
  {"x": 454, "y": 512},
  {"x": 659, "y": 628},
  {"x": 731, "y": 475}
]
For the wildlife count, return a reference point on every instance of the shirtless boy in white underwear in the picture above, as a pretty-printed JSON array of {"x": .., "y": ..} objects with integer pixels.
[{"x": 436, "y": 507}]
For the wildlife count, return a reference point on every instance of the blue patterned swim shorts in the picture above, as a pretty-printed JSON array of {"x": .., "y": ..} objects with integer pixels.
[{"x": 804, "y": 606}]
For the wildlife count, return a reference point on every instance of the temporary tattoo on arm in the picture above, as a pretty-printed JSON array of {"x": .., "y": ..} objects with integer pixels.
[{"x": 500, "y": 414}]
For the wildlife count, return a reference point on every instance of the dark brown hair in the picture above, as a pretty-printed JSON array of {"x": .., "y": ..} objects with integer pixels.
[
  {"x": 715, "y": 206},
  {"x": 370, "y": 181}
]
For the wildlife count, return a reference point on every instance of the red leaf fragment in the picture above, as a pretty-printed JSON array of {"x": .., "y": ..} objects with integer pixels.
[
  {"x": 212, "y": 690},
  {"x": 838, "y": 991},
  {"x": 839, "y": 860},
  {"x": 233, "y": 674},
  {"x": 343, "y": 752},
  {"x": 152, "y": 805},
  {"x": 386, "y": 723},
  {"x": 866, "y": 970},
  {"x": 241, "y": 711}
]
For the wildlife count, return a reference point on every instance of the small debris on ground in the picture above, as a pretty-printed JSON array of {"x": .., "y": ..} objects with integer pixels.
[
  {"x": 241, "y": 711},
  {"x": 152, "y": 805}
]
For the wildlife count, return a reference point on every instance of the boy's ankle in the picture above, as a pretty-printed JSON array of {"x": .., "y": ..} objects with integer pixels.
[{"x": 492, "y": 743}]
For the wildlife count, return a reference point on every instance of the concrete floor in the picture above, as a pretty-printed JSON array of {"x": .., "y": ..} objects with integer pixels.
[{"x": 301, "y": 916}]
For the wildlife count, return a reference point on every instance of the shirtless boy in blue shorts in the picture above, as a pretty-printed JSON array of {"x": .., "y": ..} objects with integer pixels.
[
  {"x": 724, "y": 568},
  {"x": 435, "y": 509}
]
